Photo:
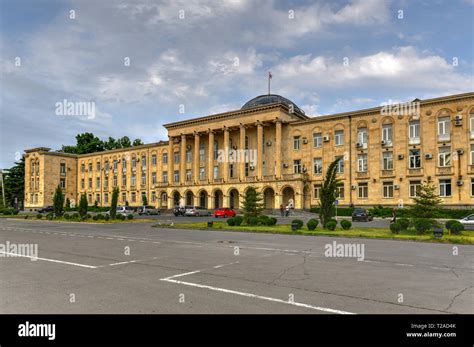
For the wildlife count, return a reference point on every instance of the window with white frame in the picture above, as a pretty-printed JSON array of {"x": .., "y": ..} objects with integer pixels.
[
  {"x": 165, "y": 176},
  {"x": 106, "y": 182},
  {"x": 444, "y": 128},
  {"x": 134, "y": 180},
  {"x": 153, "y": 159},
  {"x": 97, "y": 198},
  {"x": 339, "y": 137},
  {"x": 97, "y": 166},
  {"x": 189, "y": 175},
  {"x": 297, "y": 166},
  {"x": 471, "y": 124},
  {"x": 387, "y": 160},
  {"x": 165, "y": 158},
  {"x": 216, "y": 172},
  {"x": 414, "y": 159},
  {"x": 387, "y": 133},
  {"x": 216, "y": 150},
  {"x": 134, "y": 163},
  {"x": 124, "y": 197},
  {"x": 106, "y": 198},
  {"x": 296, "y": 142},
  {"x": 444, "y": 188},
  {"x": 444, "y": 156},
  {"x": 153, "y": 177},
  {"x": 414, "y": 131},
  {"x": 97, "y": 182},
  {"x": 202, "y": 173},
  {"x": 62, "y": 183},
  {"x": 176, "y": 157},
  {"x": 115, "y": 180},
  {"x": 202, "y": 152},
  {"x": 176, "y": 176},
  {"x": 189, "y": 155},
  {"x": 90, "y": 183},
  {"x": 340, "y": 165},
  {"x": 472, "y": 154},
  {"x": 363, "y": 190},
  {"x": 134, "y": 197},
  {"x": 62, "y": 168},
  {"x": 124, "y": 164},
  {"x": 115, "y": 164},
  {"x": 362, "y": 162},
  {"x": 317, "y": 140},
  {"x": 316, "y": 191},
  {"x": 414, "y": 187},
  {"x": 472, "y": 186},
  {"x": 124, "y": 180},
  {"x": 340, "y": 191},
  {"x": 318, "y": 166},
  {"x": 388, "y": 189},
  {"x": 362, "y": 137},
  {"x": 153, "y": 196}
]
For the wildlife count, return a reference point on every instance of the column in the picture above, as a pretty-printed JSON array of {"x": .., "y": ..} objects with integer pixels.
[
  {"x": 226, "y": 157},
  {"x": 278, "y": 149},
  {"x": 210, "y": 157},
  {"x": 259, "y": 150},
  {"x": 170, "y": 161},
  {"x": 196, "y": 157},
  {"x": 182, "y": 160},
  {"x": 242, "y": 148}
]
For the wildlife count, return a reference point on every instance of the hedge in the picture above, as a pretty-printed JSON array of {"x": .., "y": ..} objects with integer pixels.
[{"x": 386, "y": 212}]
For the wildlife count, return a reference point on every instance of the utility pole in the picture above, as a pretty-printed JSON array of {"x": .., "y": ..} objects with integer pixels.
[{"x": 3, "y": 188}]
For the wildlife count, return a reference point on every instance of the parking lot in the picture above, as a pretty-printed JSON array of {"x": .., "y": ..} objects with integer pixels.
[{"x": 136, "y": 268}]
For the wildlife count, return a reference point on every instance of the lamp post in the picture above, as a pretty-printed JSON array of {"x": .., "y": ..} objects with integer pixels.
[{"x": 3, "y": 188}]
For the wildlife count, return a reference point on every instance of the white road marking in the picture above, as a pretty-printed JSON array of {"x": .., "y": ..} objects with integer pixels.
[
  {"x": 51, "y": 260},
  {"x": 403, "y": 264},
  {"x": 219, "y": 266}
]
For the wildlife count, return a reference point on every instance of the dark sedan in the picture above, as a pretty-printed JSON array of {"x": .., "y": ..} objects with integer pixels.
[
  {"x": 362, "y": 215},
  {"x": 46, "y": 209}
]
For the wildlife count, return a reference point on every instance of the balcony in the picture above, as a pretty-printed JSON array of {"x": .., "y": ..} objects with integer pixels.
[
  {"x": 362, "y": 175},
  {"x": 444, "y": 170},
  {"x": 293, "y": 176},
  {"x": 415, "y": 172},
  {"x": 269, "y": 177},
  {"x": 233, "y": 180},
  {"x": 387, "y": 173},
  {"x": 162, "y": 184},
  {"x": 414, "y": 141},
  {"x": 218, "y": 180},
  {"x": 251, "y": 179}
]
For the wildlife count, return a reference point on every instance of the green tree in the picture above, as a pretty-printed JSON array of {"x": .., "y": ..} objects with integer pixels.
[
  {"x": 328, "y": 193},
  {"x": 137, "y": 142},
  {"x": 68, "y": 203},
  {"x": 58, "y": 202},
  {"x": 144, "y": 200},
  {"x": 113, "y": 205},
  {"x": 427, "y": 203},
  {"x": 14, "y": 181},
  {"x": 83, "y": 205},
  {"x": 124, "y": 142},
  {"x": 252, "y": 203},
  {"x": 111, "y": 144}
]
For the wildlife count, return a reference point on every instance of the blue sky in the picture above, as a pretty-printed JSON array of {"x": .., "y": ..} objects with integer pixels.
[{"x": 326, "y": 56}]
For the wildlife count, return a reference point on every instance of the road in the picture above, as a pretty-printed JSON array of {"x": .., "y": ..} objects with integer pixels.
[{"x": 86, "y": 268}]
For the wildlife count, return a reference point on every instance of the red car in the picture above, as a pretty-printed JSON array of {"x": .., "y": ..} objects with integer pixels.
[{"x": 224, "y": 212}]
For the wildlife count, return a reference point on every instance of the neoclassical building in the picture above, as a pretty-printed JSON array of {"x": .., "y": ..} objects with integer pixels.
[{"x": 386, "y": 153}]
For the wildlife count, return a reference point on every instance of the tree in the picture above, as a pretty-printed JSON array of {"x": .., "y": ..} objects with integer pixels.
[
  {"x": 427, "y": 203},
  {"x": 124, "y": 142},
  {"x": 89, "y": 143},
  {"x": 68, "y": 203},
  {"x": 328, "y": 193},
  {"x": 144, "y": 200},
  {"x": 252, "y": 203},
  {"x": 111, "y": 144},
  {"x": 83, "y": 205},
  {"x": 14, "y": 182},
  {"x": 137, "y": 142},
  {"x": 58, "y": 202},
  {"x": 113, "y": 205}
]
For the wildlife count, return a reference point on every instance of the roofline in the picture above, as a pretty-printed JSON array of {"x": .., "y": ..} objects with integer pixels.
[
  {"x": 219, "y": 116},
  {"x": 379, "y": 108}
]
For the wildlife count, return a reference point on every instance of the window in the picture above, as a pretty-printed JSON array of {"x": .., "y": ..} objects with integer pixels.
[
  {"x": 124, "y": 180},
  {"x": 316, "y": 191},
  {"x": 97, "y": 182},
  {"x": 202, "y": 173},
  {"x": 124, "y": 197},
  {"x": 247, "y": 167},
  {"x": 143, "y": 197},
  {"x": 362, "y": 163},
  {"x": 388, "y": 189},
  {"x": 82, "y": 183},
  {"x": 115, "y": 181},
  {"x": 317, "y": 140},
  {"x": 444, "y": 156},
  {"x": 216, "y": 172},
  {"x": 83, "y": 168},
  {"x": 124, "y": 165},
  {"x": 176, "y": 157},
  {"x": 444, "y": 128},
  {"x": 143, "y": 162},
  {"x": 134, "y": 163},
  {"x": 89, "y": 198},
  {"x": 153, "y": 178},
  {"x": 153, "y": 196},
  {"x": 106, "y": 182},
  {"x": 247, "y": 142},
  {"x": 90, "y": 183},
  {"x": 134, "y": 180},
  {"x": 153, "y": 159},
  {"x": 414, "y": 131},
  {"x": 176, "y": 176},
  {"x": 189, "y": 175},
  {"x": 340, "y": 192},
  {"x": 297, "y": 166},
  {"x": 414, "y": 187},
  {"x": 216, "y": 150},
  {"x": 472, "y": 186},
  {"x": 414, "y": 159},
  {"x": 165, "y": 158},
  {"x": 90, "y": 167},
  {"x": 134, "y": 197},
  {"x": 115, "y": 164},
  {"x": 62, "y": 168},
  {"x": 472, "y": 154},
  {"x": 339, "y": 137},
  {"x": 106, "y": 198},
  {"x": 296, "y": 142},
  {"x": 189, "y": 155},
  {"x": 97, "y": 166},
  {"x": 202, "y": 154},
  {"x": 340, "y": 165},
  {"x": 318, "y": 166},
  {"x": 363, "y": 190},
  {"x": 387, "y": 134},
  {"x": 62, "y": 183},
  {"x": 387, "y": 161},
  {"x": 471, "y": 124},
  {"x": 444, "y": 188},
  {"x": 231, "y": 170},
  {"x": 165, "y": 176},
  {"x": 97, "y": 198},
  {"x": 362, "y": 137},
  {"x": 143, "y": 178}
]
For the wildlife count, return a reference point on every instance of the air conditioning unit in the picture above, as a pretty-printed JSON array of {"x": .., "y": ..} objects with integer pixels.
[
  {"x": 354, "y": 187},
  {"x": 396, "y": 187},
  {"x": 460, "y": 151},
  {"x": 428, "y": 156},
  {"x": 383, "y": 143},
  {"x": 252, "y": 167},
  {"x": 325, "y": 138},
  {"x": 269, "y": 143},
  {"x": 401, "y": 157},
  {"x": 458, "y": 120},
  {"x": 459, "y": 183},
  {"x": 188, "y": 147},
  {"x": 359, "y": 145},
  {"x": 285, "y": 165},
  {"x": 305, "y": 140}
]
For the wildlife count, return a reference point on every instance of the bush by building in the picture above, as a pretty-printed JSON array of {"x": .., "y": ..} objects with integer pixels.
[
  {"x": 345, "y": 224},
  {"x": 395, "y": 227},
  {"x": 312, "y": 224},
  {"x": 298, "y": 222},
  {"x": 331, "y": 225}
]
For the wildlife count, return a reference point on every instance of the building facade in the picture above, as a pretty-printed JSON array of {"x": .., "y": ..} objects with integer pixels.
[{"x": 386, "y": 152}]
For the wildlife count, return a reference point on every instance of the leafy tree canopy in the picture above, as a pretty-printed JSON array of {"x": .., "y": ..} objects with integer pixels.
[{"x": 89, "y": 143}]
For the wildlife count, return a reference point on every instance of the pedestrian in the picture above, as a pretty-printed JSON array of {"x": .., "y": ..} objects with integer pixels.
[
  {"x": 287, "y": 210},
  {"x": 282, "y": 210}
]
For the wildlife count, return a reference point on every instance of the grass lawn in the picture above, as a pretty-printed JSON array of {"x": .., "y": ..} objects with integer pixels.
[
  {"x": 467, "y": 237},
  {"x": 90, "y": 220}
]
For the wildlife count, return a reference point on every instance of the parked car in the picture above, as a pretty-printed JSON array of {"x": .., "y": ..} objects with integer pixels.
[
  {"x": 179, "y": 211},
  {"x": 196, "y": 211},
  {"x": 224, "y": 212},
  {"x": 124, "y": 210},
  {"x": 148, "y": 210},
  {"x": 468, "y": 222},
  {"x": 361, "y": 215},
  {"x": 46, "y": 209}
]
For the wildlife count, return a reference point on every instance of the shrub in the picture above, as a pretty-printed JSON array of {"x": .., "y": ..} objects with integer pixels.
[
  {"x": 130, "y": 216},
  {"x": 8, "y": 211},
  {"x": 422, "y": 225},
  {"x": 449, "y": 223},
  {"x": 271, "y": 221},
  {"x": 345, "y": 224},
  {"x": 341, "y": 211},
  {"x": 50, "y": 216},
  {"x": 88, "y": 216},
  {"x": 299, "y": 222},
  {"x": 456, "y": 228},
  {"x": 312, "y": 224},
  {"x": 380, "y": 211},
  {"x": 231, "y": 221},
  {"x": 66, "y": 216},
  {"x": 331, "y": 225},
  {"x": 252, "y": 221},
  {"x": 95, "y": 217},
  {"x": 107, "y": 217},
  {"x": 39, "y": 216},
  {"x": 15, "y": 211},
  {"x": 75, "y": 216},
  {"x": 238, "y": 220},
  {"x": 26, "y": 217},
  {"x": 404, "y": 223},
  {"x": 100, "y": 216},
  {"x": 395, "y": 227},
  {"x": 262, "y": 219}
]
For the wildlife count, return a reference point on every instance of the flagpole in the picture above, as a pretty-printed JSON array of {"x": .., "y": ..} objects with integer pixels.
[{"x": 269, "y": 83}]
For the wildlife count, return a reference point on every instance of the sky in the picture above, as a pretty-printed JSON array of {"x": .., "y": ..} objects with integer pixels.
[{"x": 142, "y": 64}]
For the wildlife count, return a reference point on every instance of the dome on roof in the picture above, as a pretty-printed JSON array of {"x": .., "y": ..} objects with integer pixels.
[{"x": 270, "y": 99}]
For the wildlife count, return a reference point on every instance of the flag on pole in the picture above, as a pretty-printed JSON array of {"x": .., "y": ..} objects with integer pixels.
[{"x": 269, "y": 78}]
